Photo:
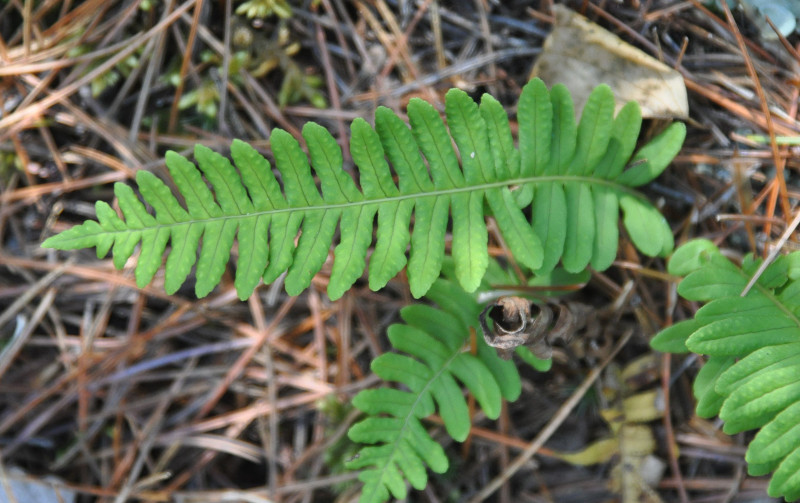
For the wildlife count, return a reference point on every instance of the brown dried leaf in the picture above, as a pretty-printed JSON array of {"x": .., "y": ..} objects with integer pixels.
[
  {"x": 519, "y": 322},
  {"x": 581, "y": 54}
]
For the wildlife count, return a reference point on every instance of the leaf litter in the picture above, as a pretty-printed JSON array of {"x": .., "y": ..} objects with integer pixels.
[{"x": 133, "y": 394}]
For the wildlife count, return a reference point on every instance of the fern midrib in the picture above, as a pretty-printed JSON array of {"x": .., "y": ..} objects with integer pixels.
[
  {"x": 398, "y": 198},
  {"x": 413, "y": 407}
]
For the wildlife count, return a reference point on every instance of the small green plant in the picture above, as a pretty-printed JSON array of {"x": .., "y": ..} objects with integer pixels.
[
  {"x": 751, "y": 378},
  {"x": 204, "y": 99},
  {"x": 265, "y": 8},
  {"x": 572, "y": 174},
  {"x": 110, "y": 78},
  {"x": 260, "y": 55}
]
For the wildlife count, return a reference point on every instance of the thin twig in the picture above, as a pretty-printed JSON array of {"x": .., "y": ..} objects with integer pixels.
[
  {"x": 558, "y": 418},
  {"x": 773, "y": 253}
]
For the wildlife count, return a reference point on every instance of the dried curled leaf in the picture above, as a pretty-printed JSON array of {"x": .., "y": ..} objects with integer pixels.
[{"x": 519, "y": 322}]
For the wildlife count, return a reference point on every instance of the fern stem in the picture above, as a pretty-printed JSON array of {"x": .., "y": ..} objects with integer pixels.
[
  {"x": 423, "y": 392},
  {"x": 530, "y": 180}
]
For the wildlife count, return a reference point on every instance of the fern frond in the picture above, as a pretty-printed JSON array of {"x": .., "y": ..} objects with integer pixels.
[
  {"x": 572, "y": 174},
  {"x": 432, "y": 356},
  {"x": 751, "y": 379}
]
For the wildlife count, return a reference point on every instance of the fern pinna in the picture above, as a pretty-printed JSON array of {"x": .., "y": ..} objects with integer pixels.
[
  {"x": 572, "y": 174},
  {"x": 752, "y": 376},
  {"x": 434, "y": 342}
]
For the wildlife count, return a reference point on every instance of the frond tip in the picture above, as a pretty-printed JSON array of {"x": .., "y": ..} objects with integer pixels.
[
  {"x": 432, "y": 342},
  {"x": 573, "y": 174}
]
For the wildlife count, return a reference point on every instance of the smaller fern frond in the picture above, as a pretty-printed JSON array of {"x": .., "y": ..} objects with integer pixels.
[
  {"x": 753, "y": 345},
  {"x": 572, "y": 174},
  {"x": 431, "y": 360}
]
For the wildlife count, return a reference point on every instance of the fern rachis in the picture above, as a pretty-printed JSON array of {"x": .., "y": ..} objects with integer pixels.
[{"x": 572, "y": 173}]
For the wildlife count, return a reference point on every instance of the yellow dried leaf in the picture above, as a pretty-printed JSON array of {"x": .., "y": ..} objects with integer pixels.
[
  {"x": 644, "y": 407},
  {"x": 598, "y": 452},
  {"x": 636, "y": 440}
]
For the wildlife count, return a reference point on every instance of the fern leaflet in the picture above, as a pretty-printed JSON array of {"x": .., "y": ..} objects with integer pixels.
[
  {"x": 433, "y": 341},
  {"x": 751, "y": 378},
  {"x": 573, "y": 174}
]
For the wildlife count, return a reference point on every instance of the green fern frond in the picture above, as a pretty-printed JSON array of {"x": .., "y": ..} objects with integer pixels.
[
  {"x": 432, "y": 356},
  {"x": 751, "y": 379},
  {"x": 573, "y": 174}
]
